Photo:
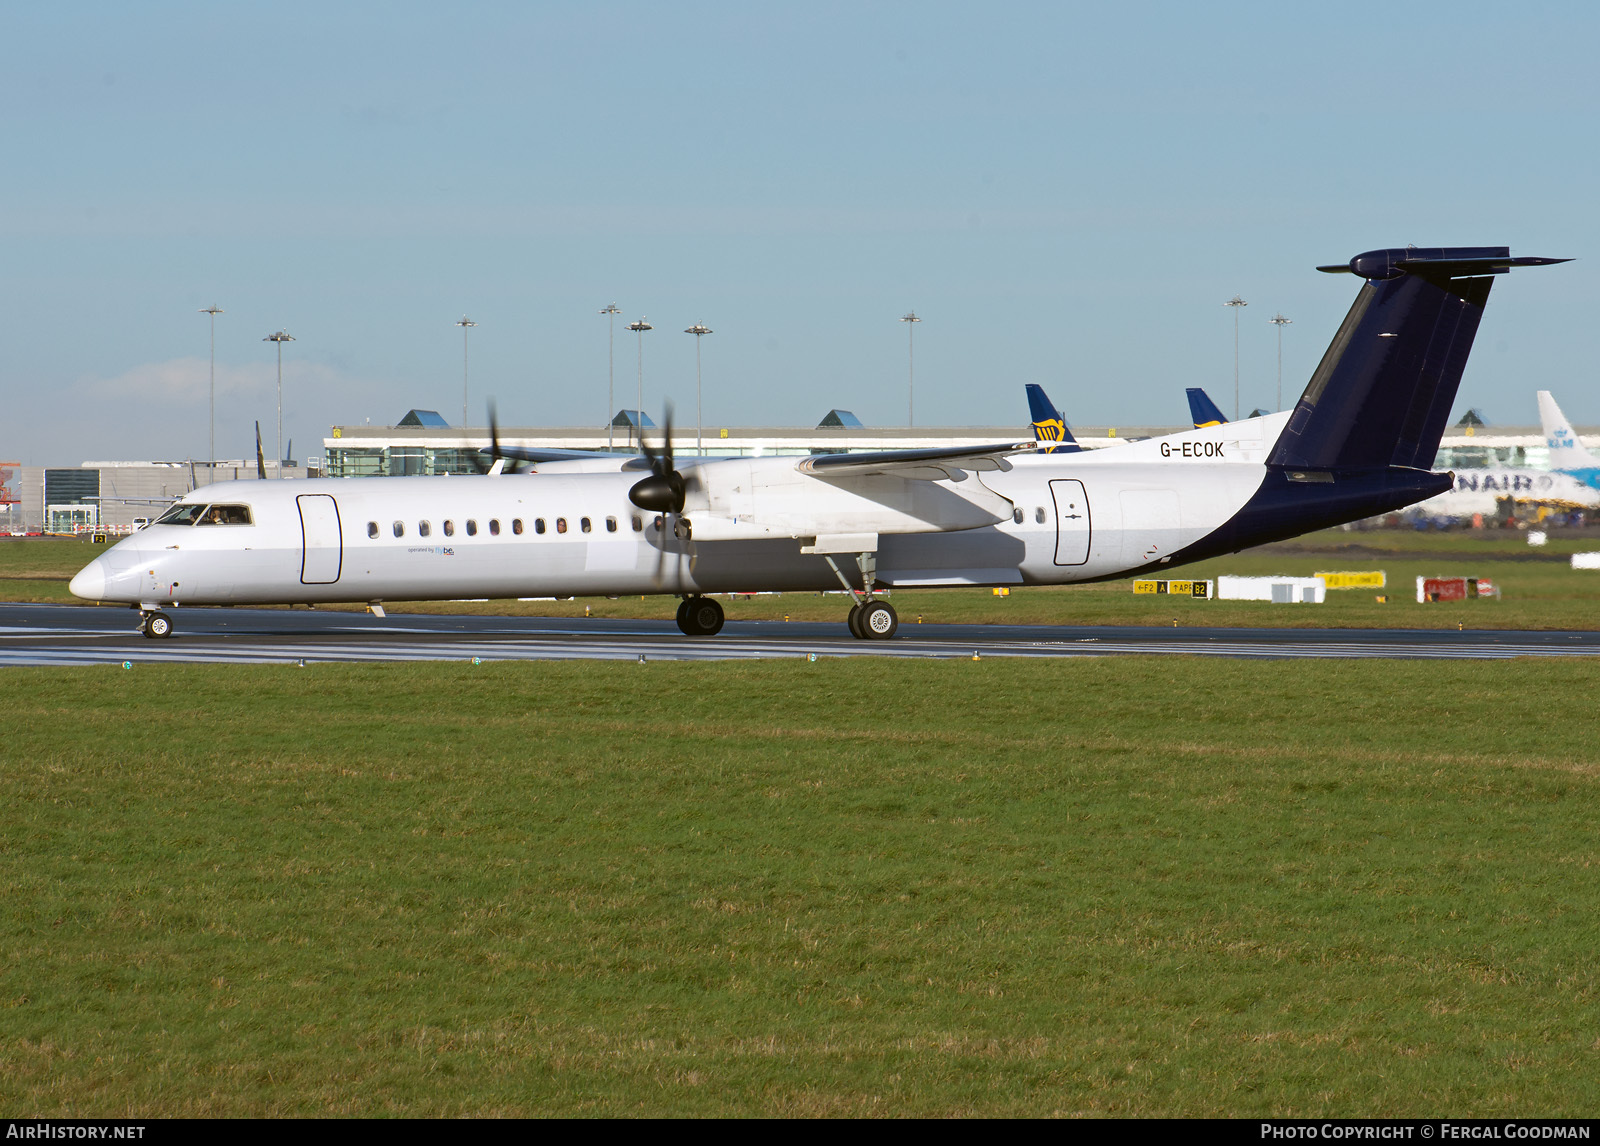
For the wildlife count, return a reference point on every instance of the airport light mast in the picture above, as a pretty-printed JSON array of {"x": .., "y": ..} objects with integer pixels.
[
  {"x": 466, "y": 324},
  {"x": 1236, "y": 302},
  {"x": 1280, "y": 322},
  {"x": 280, "y": 337},
  {"x": 910, "y": 319},
  {"x": 638, "y": 412},
  {"x": 213, "y": 310},
  {"x": 699, "y": 330},
  {"x": 611, "y": 312}
]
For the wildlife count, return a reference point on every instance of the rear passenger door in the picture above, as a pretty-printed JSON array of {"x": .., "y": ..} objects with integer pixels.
[{"x": 1072, "y": 521}]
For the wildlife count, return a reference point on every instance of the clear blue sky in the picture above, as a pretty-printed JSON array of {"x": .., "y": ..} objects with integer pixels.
[{"x": 1066, "y": 194}]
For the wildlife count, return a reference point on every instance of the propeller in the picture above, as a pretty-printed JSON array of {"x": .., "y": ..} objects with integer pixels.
[
  {"x": 663, "y": 493},
  {"x": 493, "y": 451}
]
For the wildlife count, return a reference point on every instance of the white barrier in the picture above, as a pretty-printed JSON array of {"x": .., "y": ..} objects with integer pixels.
[
  {"x": 1586, "y": 560},
  {"x": 1279, "y": 590}
]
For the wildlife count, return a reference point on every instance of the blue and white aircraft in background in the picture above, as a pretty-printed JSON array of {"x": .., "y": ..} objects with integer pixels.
[
  {"x": 1203, "y": 410},
  {"x": 1567, "y": 453},
  {"x": 1358, "y": 443},
  {"x": 1572, "y": 479},
  {"x": 1050, "y": 429}
]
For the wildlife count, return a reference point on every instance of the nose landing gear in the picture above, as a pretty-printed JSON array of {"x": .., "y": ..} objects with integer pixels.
[{"x": 155, "y": 624}]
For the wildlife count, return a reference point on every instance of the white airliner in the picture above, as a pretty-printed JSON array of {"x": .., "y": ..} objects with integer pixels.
[
  {"x": 1357, "y": 444},
  {"x": 1572, "y": 480}
]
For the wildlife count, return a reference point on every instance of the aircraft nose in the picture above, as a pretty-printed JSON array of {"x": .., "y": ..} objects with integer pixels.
[{"x": 90, "y": 583}]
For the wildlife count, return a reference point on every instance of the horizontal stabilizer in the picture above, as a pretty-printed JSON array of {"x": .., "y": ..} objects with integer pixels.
[{"x": 1448, "y": 262}]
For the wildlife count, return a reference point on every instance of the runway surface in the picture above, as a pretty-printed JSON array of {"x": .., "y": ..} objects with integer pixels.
[{"x": 69, "y": 635}]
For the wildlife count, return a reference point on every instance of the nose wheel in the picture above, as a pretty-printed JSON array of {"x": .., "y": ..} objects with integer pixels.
[{"x": 156, "y": 626}]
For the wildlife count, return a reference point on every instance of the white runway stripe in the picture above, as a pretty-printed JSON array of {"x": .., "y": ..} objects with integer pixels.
[{"x": 658, "y": 648}]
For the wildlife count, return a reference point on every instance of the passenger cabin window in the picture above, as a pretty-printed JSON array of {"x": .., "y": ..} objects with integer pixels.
[
  {"x": 1038, "y": 515},
  {"x": 472, "y": 528},
  {"x": 611, "y": 525},
  {"x": 584, "y": 523},
  {"x": 494, "y": 527},
  {"x": 638, "y": 524},
  {"x": 372, "y": 529},
  {"x": 538, "y": 525},
  {"x": 449, "y": 528},
  {"x": 423, "y": 529},
  {"x": 399, "y": 529},
  {"x": 561, "y": 525},
  {"x": 1016, "y": 515},
  {"x": 516, "y": 526}
]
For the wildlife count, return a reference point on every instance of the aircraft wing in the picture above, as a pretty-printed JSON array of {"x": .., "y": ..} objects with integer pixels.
[
  {"x": 944, "y": 464},
  {"x": 552, "y": 455}
]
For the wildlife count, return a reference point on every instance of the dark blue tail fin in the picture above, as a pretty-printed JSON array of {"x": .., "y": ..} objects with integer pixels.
[
  {"x": 1050, "y": 429},
  {"x": 1203, "y": 410},
  {"x": 1384, "y": 389}
]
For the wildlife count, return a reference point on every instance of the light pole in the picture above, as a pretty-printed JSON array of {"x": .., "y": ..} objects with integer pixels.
[
  {"x": 280, "y": 337},
  {"x": 1280, "y": 322},
  {"x": 699, "y": 330},
  {"x": 611, "y": 312},
  {"x": 213, "y": 310},
  {"x": 465, "y": 324},
  {"x": 1236, "y": 302},
  {"x": 910, "y": 319},
  {"x": 638, "y": 410}
]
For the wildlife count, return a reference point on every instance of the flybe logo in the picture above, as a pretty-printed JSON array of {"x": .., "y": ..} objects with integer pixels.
[{"x": 1050, "y": 430}]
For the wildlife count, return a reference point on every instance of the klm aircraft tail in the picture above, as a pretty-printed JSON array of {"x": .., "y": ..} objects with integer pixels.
[
  {"x": 1050, "y": 429},
  {"x": 1203, "y": 410},
  {"x": 1383, "y": 392},
  {"x": 1566, "y": 451}
]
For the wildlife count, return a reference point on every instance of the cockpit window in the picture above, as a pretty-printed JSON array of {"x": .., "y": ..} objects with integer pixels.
[
  {"x": 181, "y": 514},
  {"x": 225, "y": 515}
]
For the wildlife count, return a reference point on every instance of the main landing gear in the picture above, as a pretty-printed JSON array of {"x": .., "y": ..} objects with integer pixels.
[
  {"x": 870, "y": 619},
  {"x": 155, "y": 624},
  {"x": 700, "y": 617}
]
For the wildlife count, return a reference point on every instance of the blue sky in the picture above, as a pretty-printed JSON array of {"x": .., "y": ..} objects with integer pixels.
[{"x": 1066, "y": 194}]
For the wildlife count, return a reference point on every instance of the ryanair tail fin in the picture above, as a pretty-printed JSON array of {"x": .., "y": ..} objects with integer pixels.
[
  {"x": 1203, "y": 410},
  {"x": 1566, "y": 451},
  {"x": 1050, "y": 429},
  {"x": 1383, "y": 391}
]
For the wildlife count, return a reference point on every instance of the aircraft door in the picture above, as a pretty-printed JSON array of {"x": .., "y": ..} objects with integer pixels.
[
  {"x": 323, "y": 555},
  {"x": 1072, "y": 521}
]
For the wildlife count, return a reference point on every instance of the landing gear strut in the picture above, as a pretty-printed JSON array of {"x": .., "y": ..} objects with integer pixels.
[
  {"x": 155, "y": 624},
  {"x": 700, "y": 617},
  {"x": 869, "y": 619}
]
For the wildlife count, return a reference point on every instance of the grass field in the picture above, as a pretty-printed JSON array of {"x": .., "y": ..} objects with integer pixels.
[
  {"x": 1540, "y": 590},
  {"x": 1129, "y": 886}
]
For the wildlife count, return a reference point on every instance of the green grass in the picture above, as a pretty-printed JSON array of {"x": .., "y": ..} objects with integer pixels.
[
  {"x": 1125, "y": 886},
  {"x": 1540, "y": 590}
]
